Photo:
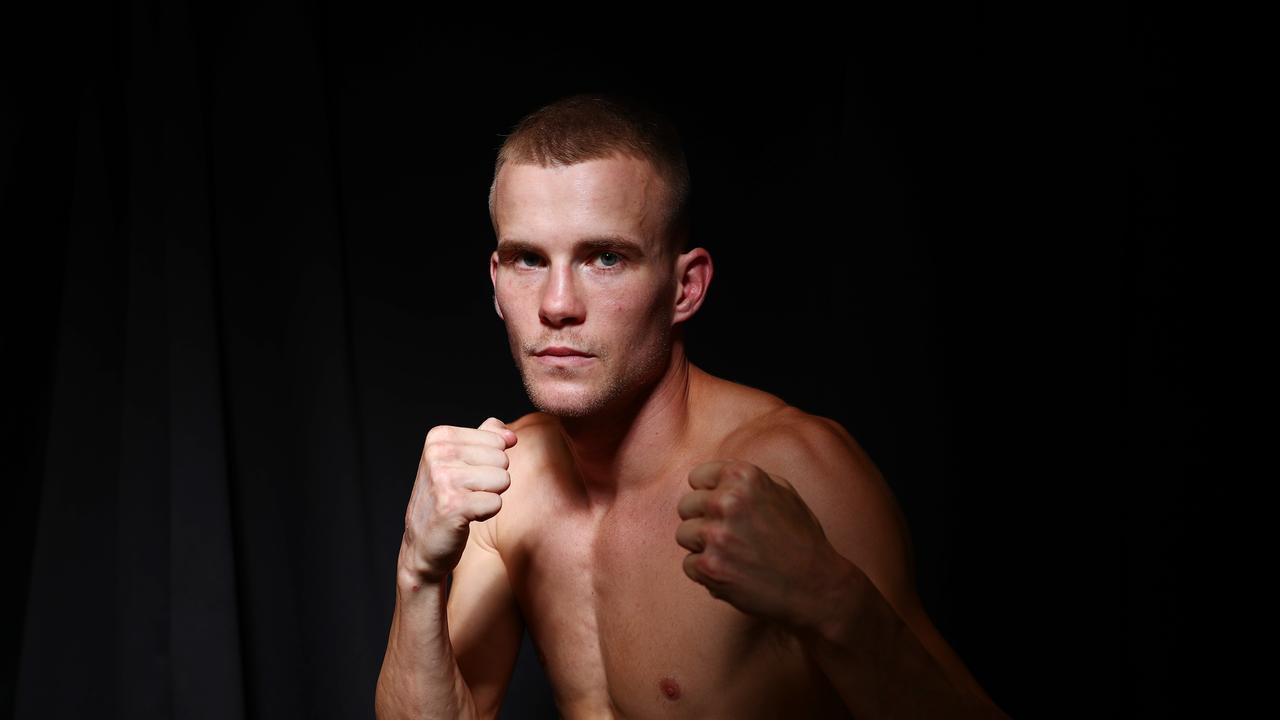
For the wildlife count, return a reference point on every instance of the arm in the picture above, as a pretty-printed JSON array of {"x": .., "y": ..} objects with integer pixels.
[
  {"x": 870, "y": 633},
  {"x": 828, "y": 558},
  {"x": 454, "y": 660},
  {"x": 879, "y": 665}
]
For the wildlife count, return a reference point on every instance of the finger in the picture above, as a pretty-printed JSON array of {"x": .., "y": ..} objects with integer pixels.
[
  {"x": 454, "y": 435},
  {"x": 695, "y": 573},
  {"x": 486, "y": 479},
  {"x": 481, "y": 506},
  {"x": 499, "y": 428},
  {"x": 690, "y": 565},
  {"x": 707, "y": 475},
  {"x": 693, "y": 504},
  {"x": 472, "y": 436},
  {"x": 689, "y": 535},
  {"x": 482, "y": 455}
]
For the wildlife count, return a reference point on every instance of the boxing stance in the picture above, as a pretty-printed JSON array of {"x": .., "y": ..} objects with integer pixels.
[{"x": 676, "y": 544}]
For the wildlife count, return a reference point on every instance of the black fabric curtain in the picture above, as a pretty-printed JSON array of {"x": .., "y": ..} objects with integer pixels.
[{"x": 246, "y": 271}]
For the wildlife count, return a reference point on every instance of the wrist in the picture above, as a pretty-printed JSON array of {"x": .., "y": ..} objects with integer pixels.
[
  {"x": 415, "y": 581},
  {"x": 413, "y": 575},
  {"x": 835, "y": 603}
]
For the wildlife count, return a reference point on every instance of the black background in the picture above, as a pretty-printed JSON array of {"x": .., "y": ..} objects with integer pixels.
[{"x": 245, "y": 260}]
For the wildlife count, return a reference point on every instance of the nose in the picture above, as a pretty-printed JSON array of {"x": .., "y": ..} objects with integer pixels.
[{"x": 561, "y": 302}]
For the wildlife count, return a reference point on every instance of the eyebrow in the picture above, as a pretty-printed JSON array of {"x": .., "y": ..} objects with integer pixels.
[{"x": 508, "y": 248}]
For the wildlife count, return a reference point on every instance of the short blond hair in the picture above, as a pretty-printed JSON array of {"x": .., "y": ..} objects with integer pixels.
[{"x": 592, "y": 126}]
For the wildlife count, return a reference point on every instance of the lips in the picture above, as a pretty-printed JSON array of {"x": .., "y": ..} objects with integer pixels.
[
  {"x": 562, "y": 351},
  {"x": 563, "y": 358}
]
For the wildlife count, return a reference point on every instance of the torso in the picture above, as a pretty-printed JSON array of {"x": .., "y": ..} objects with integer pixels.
[{"x": 619, "y": 627}]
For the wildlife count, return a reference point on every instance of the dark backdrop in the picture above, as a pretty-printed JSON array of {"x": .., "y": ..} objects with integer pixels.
[{"x": 245, "y": 251}]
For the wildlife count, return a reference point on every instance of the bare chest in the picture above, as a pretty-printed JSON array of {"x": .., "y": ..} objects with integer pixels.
[{"x": 622, "y": 631}]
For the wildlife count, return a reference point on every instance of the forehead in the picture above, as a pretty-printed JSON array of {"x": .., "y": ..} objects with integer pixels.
[{"x": 615, "y": 195}]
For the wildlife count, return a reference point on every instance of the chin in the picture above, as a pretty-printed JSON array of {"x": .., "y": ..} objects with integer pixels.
[
  {"x": 566, "y": 405},
  {"x": 594, "y": 393},
  {"x": 565, "y": 399}
]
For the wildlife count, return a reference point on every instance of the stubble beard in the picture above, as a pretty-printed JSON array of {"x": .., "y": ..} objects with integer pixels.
[{"x": 588, "y": 399}]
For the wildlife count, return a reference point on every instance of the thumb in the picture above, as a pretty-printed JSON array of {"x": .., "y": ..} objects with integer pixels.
[{"x": 495, "y": 425}]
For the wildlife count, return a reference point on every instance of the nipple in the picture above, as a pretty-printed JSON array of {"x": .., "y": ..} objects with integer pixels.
[{"x": 670, "y": 688}]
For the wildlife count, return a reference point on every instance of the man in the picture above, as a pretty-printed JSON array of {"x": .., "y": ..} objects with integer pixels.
[{"x": 677, "y": 544}]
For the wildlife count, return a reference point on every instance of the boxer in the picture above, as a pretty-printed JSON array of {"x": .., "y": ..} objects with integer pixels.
[{"x": 676, "y": 544}]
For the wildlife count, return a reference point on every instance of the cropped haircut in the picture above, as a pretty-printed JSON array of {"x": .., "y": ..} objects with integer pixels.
[{"x": 593, "y": 126}]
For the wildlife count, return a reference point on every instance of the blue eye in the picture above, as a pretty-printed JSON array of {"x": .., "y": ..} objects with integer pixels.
[
  {"x": 615, "y": 256},
  {"x": 526, "y": 255}
]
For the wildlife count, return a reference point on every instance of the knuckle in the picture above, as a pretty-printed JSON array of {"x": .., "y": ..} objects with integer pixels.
[
  {"x": 710, "y": 565},
  {"x": 727, "y": 502},
  {"x": 448, "y": 502},
  {"x": 715, "y": 536},
  {"x": 441, "y": 451},
  {"x": 446, "y": 476},
  {"x": 740, "y": 470},
  {"x": 440, "y": 477},
  {"x": 446, "y": 505}
]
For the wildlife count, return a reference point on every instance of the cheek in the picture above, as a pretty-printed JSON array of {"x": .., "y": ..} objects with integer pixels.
[
  {"x": 634, "y": 311},
  {"x": 511, "y": 291},
  {"x": 640, "y": 324},
  {"x": 515, "y": 294}
]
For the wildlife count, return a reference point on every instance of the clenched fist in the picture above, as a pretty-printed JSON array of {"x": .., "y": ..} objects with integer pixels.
[
  {"x": 461, "y": 476},
  {"x": 753, "y": 542}
]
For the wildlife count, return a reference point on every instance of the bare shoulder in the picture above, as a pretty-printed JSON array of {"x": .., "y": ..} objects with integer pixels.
[
  {"x": 839, "y": 482},
  {"x": 789, "y": 438},
  {"x": 815, "y": 453},
  {"x": 534, "y": 432},
  {"x": 531, "y": 464}
]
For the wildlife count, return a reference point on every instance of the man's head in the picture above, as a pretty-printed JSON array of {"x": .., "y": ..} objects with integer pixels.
[
  {"x": 596, "y": 126},
  {"x": 590, "y": 254}
]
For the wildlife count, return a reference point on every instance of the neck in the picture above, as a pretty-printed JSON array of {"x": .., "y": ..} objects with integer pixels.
[{"x": 627, "y": 447}]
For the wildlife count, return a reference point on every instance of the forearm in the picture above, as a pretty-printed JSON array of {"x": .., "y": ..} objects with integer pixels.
[
  {"x": 877, "y": 664},
  {"x": 420, "y": 676}
]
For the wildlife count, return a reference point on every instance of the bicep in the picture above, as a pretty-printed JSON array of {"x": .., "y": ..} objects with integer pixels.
[{"x": 484, "y": 621}]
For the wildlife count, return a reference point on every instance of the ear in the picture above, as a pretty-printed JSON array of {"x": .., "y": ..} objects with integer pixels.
[
  {"x": 493, "y": 278},
  {"x": 693, "y": 276}
]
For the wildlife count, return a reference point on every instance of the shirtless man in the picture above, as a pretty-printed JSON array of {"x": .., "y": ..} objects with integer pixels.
[{"x": 679, "y": 545}]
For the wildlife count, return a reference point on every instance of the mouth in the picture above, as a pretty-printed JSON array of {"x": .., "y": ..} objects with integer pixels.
[
  {"x": 562, "y": 351},
  {"x": 561, "y": 356}
]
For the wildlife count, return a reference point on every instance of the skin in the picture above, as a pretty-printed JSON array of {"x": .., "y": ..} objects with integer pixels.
[{"x": 678, "y": 544}]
